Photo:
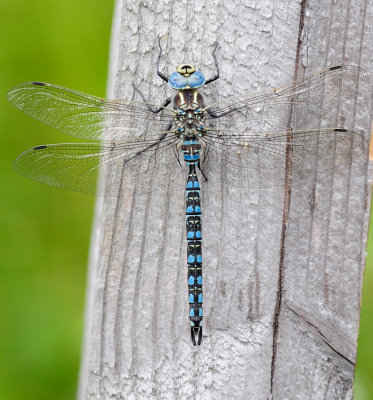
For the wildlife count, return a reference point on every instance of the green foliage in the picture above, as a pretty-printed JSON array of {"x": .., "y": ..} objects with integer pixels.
[
  {"x": 364, "y": 368},
  {"x": 45, "y": 232}
]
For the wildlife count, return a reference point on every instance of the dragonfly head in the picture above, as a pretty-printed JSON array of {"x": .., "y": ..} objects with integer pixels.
[
  {"x": 186, "y": 77},
  {"x": 186, "y": 69}
]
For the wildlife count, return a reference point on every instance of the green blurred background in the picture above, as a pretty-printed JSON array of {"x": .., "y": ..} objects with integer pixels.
[{"x": 45, "y": 232}]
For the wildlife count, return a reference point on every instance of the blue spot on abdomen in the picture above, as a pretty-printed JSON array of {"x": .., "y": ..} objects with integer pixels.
[
  {"x": 191, "y": 280},
  {"x": 191, "y": 259}
]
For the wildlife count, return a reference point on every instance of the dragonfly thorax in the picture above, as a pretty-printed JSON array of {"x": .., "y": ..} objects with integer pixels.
[
  {"x": 189, "y": 118},
  {"x": 189, "y": 99},
  {"x": 190, "y": 124}
]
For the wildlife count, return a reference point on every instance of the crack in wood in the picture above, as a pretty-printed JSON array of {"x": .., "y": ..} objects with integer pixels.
[
  {"x": 285, "y": 216},
  {"x": 324, "y": 338}
]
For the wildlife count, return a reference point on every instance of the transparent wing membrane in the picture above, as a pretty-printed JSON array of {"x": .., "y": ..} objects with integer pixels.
[
  {"x": 85, "y": 116},
  {"x": 260, "y": 159},
  {"x": 298, "y": 105},
  {"x": 251, "y": 140},
  {"x": 112, "y": 169}
]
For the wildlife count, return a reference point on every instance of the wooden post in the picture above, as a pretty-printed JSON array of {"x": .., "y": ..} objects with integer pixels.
[{"x": 282, "y": 268}]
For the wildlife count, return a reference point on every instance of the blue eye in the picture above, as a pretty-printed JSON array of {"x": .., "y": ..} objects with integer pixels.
[
  {"x": 196, "y": 80},
  {"x": 177, "y": 81}
]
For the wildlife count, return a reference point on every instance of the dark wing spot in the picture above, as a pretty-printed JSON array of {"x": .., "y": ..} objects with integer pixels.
[
  {"x": 335, "y": 67},
  {"x": 38, "y": 83},
  {"x": 340, "y": 130},
  {"x": 39, "y": 147}
]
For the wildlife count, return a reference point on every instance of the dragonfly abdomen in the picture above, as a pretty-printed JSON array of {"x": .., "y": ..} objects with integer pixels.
[{"x": 191, "y": 150}]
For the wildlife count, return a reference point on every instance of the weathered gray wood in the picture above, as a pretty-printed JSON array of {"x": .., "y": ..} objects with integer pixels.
[{"x": 282, "y": 269}]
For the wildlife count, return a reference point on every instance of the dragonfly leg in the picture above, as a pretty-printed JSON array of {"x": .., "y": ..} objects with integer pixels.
[
  {"x": 216, "y": 76},
  {"x": 203, "y": 174},
  {"x": 150, "y": 146},
  {"x": 206, "y": 150},
  {"x": 164, "y": 77},
  {"x": 176, "y": 154},
  {"x": 156, "y": 110}
]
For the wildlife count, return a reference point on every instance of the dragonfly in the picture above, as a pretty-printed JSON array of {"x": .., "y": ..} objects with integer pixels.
[{"x": 255, "y": 140}]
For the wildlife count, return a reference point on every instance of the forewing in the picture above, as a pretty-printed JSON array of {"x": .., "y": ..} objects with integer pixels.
[
  {"x": 111, "y": 169},
  {"x": 264, "y": 159},
  {"x": 85, "y": 116},
  {"x": 298, "y": 105}
]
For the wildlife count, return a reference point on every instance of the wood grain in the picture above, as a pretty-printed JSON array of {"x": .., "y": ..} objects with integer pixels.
[{"x": 282, "y": 268}]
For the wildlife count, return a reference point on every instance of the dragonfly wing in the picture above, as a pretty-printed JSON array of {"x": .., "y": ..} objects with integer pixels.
[
  {"x": 264, "y": 159},
  {"x": 112, "y": 169},
  {"x": 85, "y": 116},
  {"x": 298, "y": 105}
]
